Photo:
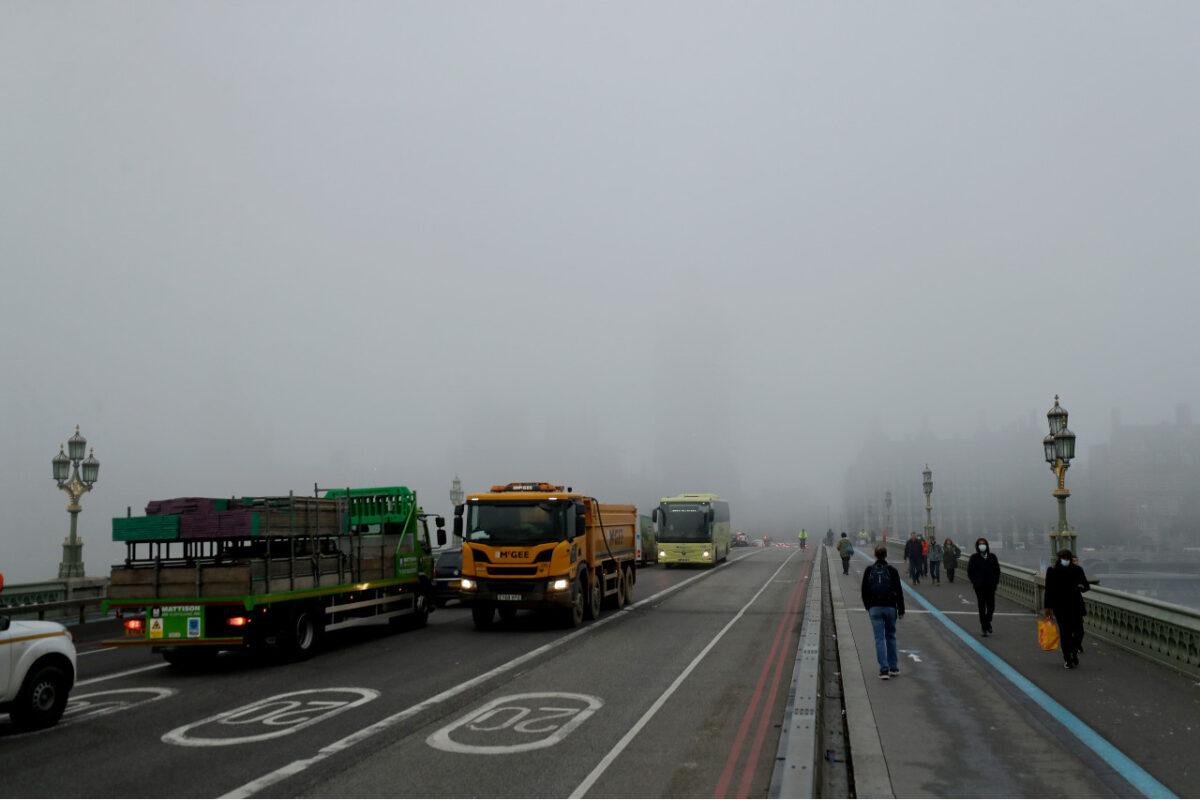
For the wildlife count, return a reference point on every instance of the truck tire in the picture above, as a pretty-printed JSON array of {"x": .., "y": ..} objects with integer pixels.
[
  {"x": 482, "y": 614},
  {"x": 618, "y": 599},
  {"x": 191, "y": 658},
  {"x": 42, "y": 698},
  {"x": 507, "y": 613},
  {"x": 302, "y": 634},
  {"x": 419, "y": 618},
  {"x": 595, "y": 597},
  {"x": 628, "y": 581},
  {"x": 573, "y": 616}
]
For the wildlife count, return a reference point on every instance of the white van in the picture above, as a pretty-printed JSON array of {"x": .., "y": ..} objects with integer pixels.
[{"x": 37, "y": 671}]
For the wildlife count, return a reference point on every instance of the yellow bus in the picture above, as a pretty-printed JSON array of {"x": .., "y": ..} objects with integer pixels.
[{"x": 693, "y": 528}]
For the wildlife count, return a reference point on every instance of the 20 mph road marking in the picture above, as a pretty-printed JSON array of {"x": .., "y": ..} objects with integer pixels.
[
  {"x": 270, "y": 718},
  {"x": 516, "y": 723},
  {"x": 620, "y": 746},
  {"x": 296, "y": 767}
]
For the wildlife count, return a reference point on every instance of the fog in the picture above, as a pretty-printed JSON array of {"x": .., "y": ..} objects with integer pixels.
[{"x": 639, "y": 248}]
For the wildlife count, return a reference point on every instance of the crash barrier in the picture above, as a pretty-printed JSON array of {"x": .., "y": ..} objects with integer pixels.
[
  {"x": 63, "y": 600},
  {"x": 1162, "y": 632}
]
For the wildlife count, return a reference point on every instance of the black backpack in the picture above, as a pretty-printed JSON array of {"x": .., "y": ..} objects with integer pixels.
[{"x": 879, "y": 584}]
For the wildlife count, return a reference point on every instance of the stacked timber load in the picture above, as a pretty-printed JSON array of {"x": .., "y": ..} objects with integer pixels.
[{"x": 200, "y": 518}]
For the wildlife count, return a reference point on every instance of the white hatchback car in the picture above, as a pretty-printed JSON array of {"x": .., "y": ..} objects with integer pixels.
[{"x": 37, "y": 671}]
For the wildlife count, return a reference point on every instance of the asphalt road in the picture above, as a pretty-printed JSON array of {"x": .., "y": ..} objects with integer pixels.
[{"x": 681, "y": 695}]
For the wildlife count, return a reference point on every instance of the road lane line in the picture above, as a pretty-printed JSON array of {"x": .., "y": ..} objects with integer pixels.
[
  {"x": 764, "y": 721},
  {"x": 115, "y": 675},
  {"x": 345, "y": 743},
  {"x": 97, "y": 650},
  {"x": 743, "y": 729},
  {"x": 1123, "y": 765},
  {"x": 620, "y": 746}
]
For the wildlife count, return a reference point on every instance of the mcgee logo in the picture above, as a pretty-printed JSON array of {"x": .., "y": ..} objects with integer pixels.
[{"x": 522, "y": 554}]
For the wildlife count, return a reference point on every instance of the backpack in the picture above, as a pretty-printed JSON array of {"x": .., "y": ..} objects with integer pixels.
[{"x": 879, "y": 585}]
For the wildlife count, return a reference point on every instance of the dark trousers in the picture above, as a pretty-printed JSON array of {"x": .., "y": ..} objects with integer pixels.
[
  {"x": 845, "y": 565},
  {"x": 949, "y": 570},
  {"x": 933, "y": 571},
  {"x": 914, "y": 570},
  {"x": 986, "y": 595},
  {"x": 1070, "y": 633}
]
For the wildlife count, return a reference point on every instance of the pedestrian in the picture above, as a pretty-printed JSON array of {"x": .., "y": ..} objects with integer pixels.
[
  {"x": 935, "y": 561},
  {"x": 983, "y": 570},
  {"x": 950, "y": 553},
  {"x": 803, "y": 537},
  {"x": 829, "y": 538},
  {"x": 912, "y": 555},
  {"x": 883, "y": 597},
  {"x": 1065, "y": 585},
  {"x": 924, "y": 557},
  {"x": 845, "y": 550}
]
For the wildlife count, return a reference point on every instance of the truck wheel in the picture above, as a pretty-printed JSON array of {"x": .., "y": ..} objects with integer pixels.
[
  {"x": 573, "y": 616},
  {"x": 507, "y": 613},
  {"x": 628, "y": 582},
  {"x": 42, "y": 698},
  {"x": 595, "y": 597},
  {"x": 303, "y": 633},
  {"x": 419, "y": 618},
  {"x": 482, "y": 613},
  {"x": 618, "y": 599}
]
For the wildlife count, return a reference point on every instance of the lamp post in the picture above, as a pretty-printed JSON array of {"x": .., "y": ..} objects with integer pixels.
[
  {"x": 76, "y": 476},
  {"x": 1059, "y": 449},
  {"x": 927, "y": 484},
  {"x": 887, "y": 523}
]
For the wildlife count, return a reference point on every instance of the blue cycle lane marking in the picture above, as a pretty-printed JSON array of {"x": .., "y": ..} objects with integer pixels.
[{"x": 1122, "y": 764}]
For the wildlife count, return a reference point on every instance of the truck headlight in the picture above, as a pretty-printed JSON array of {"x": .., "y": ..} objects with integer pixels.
[
  {"x": 467, "y": 583},
  {"x": 559, "y": 585}
]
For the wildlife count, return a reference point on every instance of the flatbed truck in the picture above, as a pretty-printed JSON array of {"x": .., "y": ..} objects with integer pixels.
[{"x": 203, "y": 575}]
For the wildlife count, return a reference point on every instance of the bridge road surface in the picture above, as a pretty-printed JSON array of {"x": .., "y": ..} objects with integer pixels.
[
  {"x": 138, "y": 728},
  {"x": 951, "y": 726}
]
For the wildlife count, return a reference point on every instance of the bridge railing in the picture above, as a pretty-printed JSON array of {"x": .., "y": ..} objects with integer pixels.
[
  {"x": 62, "y": 600},
  {"x": 1163, "y": 632}
]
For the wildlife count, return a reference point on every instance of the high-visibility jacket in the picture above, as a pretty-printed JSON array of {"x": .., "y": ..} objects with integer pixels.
[{"x": 803, "y": 535}]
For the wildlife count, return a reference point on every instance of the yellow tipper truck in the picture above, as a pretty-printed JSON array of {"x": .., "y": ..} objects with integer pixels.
[{"x": 544, "y": 547}]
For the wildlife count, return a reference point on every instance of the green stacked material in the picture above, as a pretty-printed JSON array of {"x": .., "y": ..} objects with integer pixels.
[{"x": 164, "y": 528}]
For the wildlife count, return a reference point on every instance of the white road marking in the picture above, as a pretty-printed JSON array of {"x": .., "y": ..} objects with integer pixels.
[
  {"x": 561, "y": 713},
  {"x": 624, "y": 741},
  {"x": 345, "y": 743},
  {"x": 115, "y": 675},
  {"x": 275, "y": 716},
  {"x": 97, "y": 650},
  {"x": 97, "y": 704}
]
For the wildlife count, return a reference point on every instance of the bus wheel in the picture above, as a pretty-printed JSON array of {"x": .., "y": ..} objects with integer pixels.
[
  {"x": 628, "y": 581},
  {"x": 595, "y": 597},
  {"x": 482, "y": 614}
]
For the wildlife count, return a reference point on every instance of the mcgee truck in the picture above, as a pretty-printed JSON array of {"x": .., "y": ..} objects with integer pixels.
[
  {"x": 203, "y": 575},
  {"x": 540, "y": 546}
]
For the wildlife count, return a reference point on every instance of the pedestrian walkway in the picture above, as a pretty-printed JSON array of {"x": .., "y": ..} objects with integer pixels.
[{"x": 969, "y": 719}]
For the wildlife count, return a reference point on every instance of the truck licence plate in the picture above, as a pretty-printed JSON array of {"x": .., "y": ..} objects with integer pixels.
[{"x": 508, "y": 597}]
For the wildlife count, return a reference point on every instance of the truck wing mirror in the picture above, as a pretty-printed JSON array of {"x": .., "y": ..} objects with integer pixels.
[
  {"x": 458, "y": 522},
  {"x": 439, "y": 522},
  {"x": 654, "y": 516},
  {"x": 441, "y": 537}
]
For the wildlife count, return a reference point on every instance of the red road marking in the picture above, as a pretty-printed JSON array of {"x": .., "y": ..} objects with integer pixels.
[
  {"x": 739, "y": 739},
  {"x": 764, "y": 722}
]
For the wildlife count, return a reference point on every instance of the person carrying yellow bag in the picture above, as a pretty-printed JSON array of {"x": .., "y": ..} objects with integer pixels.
[{"x": 1065, "y": 585}]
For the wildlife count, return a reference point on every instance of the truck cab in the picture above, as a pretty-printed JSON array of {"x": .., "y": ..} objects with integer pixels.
[{"x": 37, "y": 671}]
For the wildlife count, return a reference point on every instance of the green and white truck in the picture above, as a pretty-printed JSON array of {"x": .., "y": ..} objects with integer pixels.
[{"x": 202, "y": 575}]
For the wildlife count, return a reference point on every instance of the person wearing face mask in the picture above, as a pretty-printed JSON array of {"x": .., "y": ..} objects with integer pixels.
[
  {"x": 949, "y": 558},
  {"x": 1065, "y": 585},
  {"x": 983, "y": 571}
]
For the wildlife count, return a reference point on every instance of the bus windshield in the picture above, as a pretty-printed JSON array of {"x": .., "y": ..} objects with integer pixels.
[
  {"x": 685, "y": 522},
  {"x": 515, "y": 523}
]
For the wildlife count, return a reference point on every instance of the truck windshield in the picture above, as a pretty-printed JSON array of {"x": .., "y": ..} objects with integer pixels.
[
  {"x": 515, "y": 523},
  {"x": 685, "y": 522}
]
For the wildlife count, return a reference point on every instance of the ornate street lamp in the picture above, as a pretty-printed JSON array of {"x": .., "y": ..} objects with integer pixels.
[
  {"x": 927, "y": 485},
  {"x": 887, "y": 503},
  {"x": 76, "y": 476},
  {"x": 1059, "y": 449}
]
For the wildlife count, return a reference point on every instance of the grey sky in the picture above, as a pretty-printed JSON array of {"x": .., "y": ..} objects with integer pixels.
[{"x": 250, "y": 246}]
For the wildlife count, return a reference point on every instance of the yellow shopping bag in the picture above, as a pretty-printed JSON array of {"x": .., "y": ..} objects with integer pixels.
[{"x": 1047, "y": 634}]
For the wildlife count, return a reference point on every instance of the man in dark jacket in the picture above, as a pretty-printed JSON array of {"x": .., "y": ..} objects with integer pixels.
[
  {"x": 883, "y": 597},
  {"x": 983, "y": 570},
  {"x": 913, "y": 555},
  {"x": 1065, "y": 585}
]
